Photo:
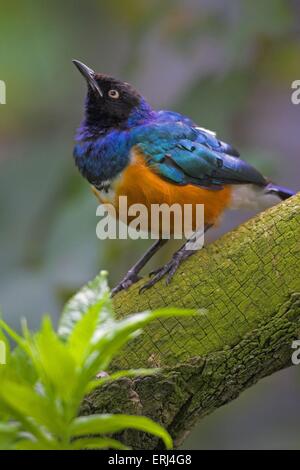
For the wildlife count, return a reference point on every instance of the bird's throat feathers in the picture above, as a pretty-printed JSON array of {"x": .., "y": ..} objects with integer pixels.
[
  {"x": 98, "y": 122},
  {"x": 103, "y": 143}
]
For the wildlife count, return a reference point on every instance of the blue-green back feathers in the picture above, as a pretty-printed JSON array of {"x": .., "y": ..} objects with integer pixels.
[{"x": 185, "y": 154}]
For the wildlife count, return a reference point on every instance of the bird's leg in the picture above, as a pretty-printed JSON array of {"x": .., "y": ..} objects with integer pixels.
[
  {"x": 171, "y": 267},
  {"x": 132, "y": 276}
]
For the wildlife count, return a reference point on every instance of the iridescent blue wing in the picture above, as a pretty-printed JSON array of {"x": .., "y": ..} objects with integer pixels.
[
  {"x": 188, "y": 155},
  {"x": 205, "y": 136}
]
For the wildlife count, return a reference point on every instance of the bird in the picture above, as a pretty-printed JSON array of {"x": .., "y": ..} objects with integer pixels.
[{"x": 124, "y": 147}]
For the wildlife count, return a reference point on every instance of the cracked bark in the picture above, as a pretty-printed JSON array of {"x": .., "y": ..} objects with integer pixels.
[{"x": 249, "y": 284}]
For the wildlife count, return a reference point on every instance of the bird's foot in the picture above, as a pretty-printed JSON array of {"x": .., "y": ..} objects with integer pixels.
[
  {"x": 130, "y": 278},
  {"x": 167, "y": 270}
]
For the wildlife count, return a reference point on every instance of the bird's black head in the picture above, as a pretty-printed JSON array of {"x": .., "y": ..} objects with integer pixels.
[{"x": 109, "y": 102}]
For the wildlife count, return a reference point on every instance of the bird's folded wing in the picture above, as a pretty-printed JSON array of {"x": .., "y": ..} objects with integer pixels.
[{"x": 185, "y": 155}]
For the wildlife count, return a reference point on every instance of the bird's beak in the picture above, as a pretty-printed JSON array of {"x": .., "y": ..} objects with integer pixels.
[{"x": 89, "y": 75}]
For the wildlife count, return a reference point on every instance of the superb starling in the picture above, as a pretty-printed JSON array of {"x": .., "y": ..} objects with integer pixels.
[{"x": 126, "y": 148}]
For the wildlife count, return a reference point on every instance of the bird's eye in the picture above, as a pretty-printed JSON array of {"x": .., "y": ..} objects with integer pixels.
[{"x": 113, "y": 94}]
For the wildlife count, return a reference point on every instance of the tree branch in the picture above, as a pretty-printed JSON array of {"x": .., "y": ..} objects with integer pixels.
[{"x": 249, "y": 284}]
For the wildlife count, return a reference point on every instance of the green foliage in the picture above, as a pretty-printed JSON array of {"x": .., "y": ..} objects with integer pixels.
[{"x": 48, "y": 374}]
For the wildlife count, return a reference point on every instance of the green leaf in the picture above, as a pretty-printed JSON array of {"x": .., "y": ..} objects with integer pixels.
[
  {"x": 8, "y": 435},
  {"x": 79, "y": 342},
  {"x": 87, "y": 297},
  {"x": 4, "y": 349},
  {"x": 23, "y": 400},
  {"x": 9, "y": 428},
  {"x": 27, "y": 444},
  {"x": 109, "y": 424},
  {"x": 18, "y": 339},
  {"x": 100, "y": 443},
  {"x": 55, "y": 365},
  {"x": 22, "y": 367}
]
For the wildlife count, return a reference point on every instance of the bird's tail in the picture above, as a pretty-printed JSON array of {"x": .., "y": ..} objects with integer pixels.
[
  {"x": 253, "y": 197},
  {"x": 280, "y": 191}
]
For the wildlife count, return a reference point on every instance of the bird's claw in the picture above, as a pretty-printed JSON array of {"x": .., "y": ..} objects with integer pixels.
[
  {"x": 127, "y": 281},
  {"x": 168, "y": 270}
]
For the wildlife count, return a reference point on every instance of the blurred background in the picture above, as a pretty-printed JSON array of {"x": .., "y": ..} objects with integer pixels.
[{"x": 229, "y": 64}]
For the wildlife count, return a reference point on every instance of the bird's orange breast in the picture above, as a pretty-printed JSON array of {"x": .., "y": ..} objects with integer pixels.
[{"x": 141, "y": 185}]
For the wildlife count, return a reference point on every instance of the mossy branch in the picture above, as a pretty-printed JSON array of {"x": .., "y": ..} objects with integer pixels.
[{"x": 249, "y": 284}]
